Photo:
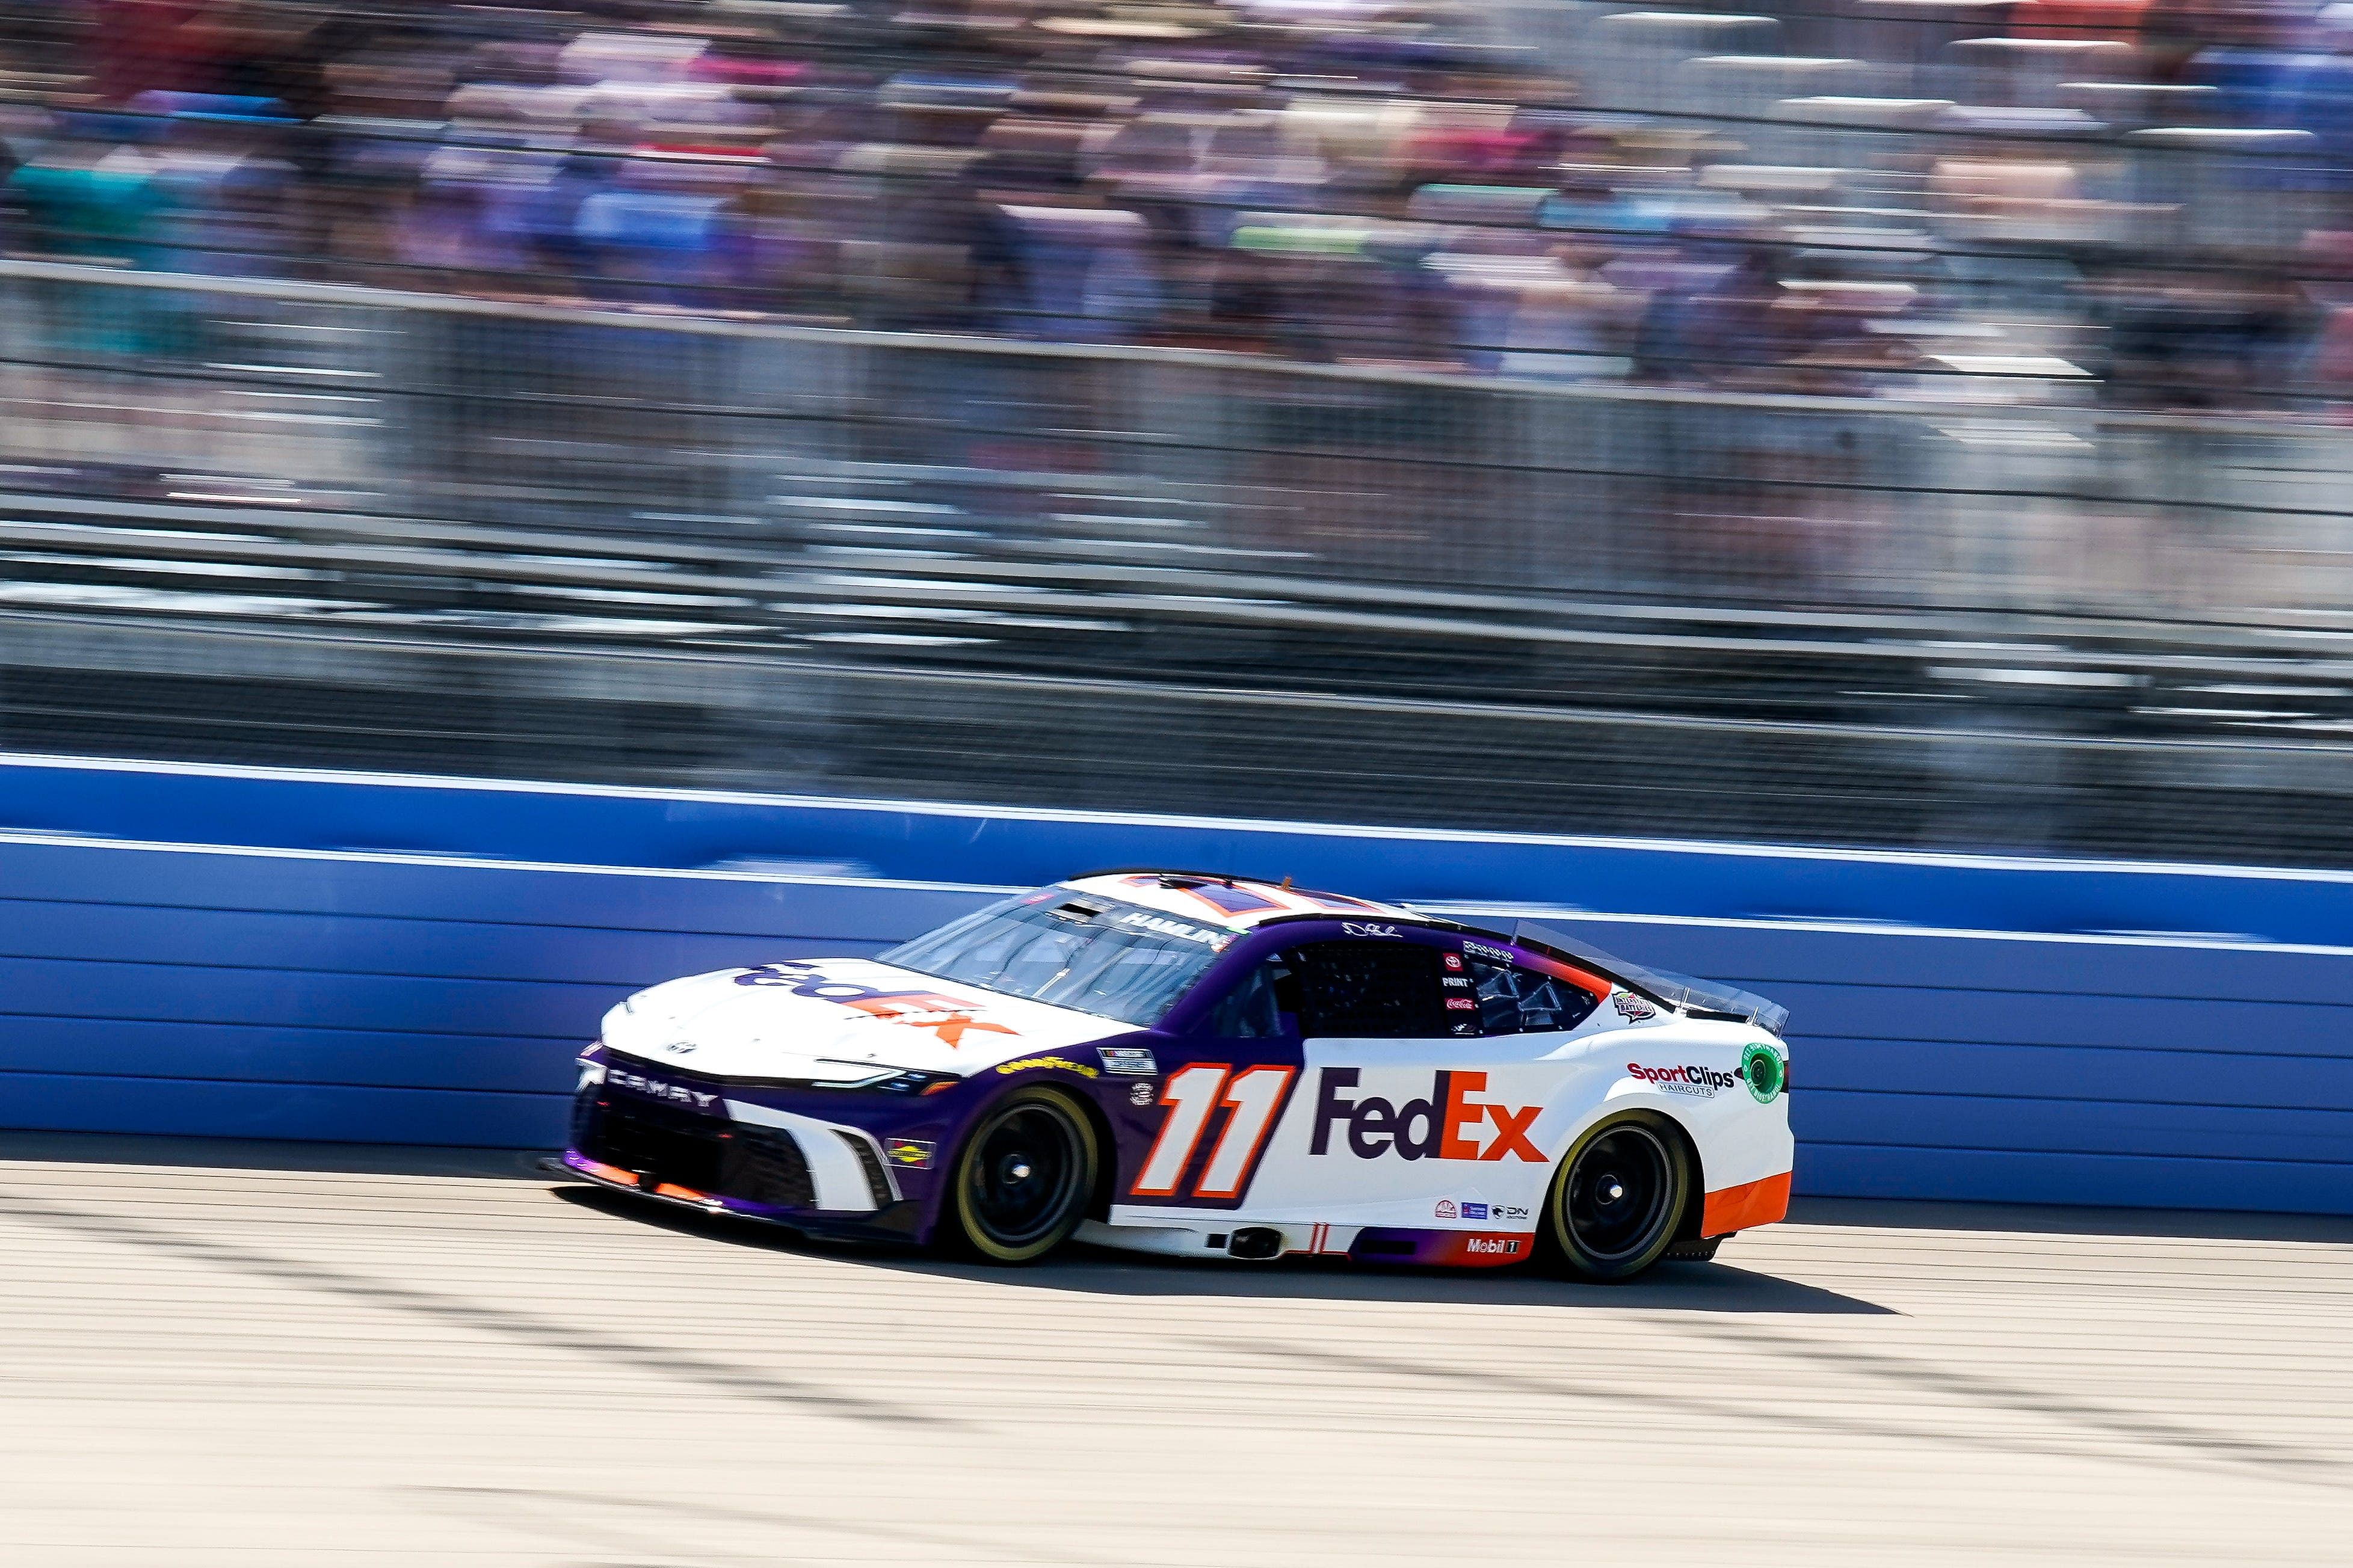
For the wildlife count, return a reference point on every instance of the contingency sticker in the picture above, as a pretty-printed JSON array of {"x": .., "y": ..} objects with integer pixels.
[{"x": 1760, "y": 1064}]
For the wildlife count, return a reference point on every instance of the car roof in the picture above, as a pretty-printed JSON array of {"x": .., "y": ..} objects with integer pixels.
[
  {"x": 1237, "y": 903},
  {"x": 1240, "y": 903}
]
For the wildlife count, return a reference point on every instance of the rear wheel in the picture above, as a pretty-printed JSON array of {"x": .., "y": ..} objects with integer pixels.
[
  {"x": 1024, "y": 1179},
  {"x": 1618, "y": 1198}
]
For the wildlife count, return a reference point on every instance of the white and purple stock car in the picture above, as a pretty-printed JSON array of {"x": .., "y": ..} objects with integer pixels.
[{"x": 1209, "y": 1066}]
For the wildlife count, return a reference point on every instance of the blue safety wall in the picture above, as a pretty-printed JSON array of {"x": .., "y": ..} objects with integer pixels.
[
  {"x": 1007, "y": 847},
  {"x": 206, "y": 951}
]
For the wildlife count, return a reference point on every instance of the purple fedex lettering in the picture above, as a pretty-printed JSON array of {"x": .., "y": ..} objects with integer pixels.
[
  {"x": 791, "y": 972},
  {"x": 1442, "y": 1127},
  {"x": 1330, "y": 1107},
  {"x": 1375, "y": 1126}
]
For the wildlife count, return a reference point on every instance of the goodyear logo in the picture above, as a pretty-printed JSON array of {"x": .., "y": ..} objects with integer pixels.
[{"x": 1063, "y": 1063}]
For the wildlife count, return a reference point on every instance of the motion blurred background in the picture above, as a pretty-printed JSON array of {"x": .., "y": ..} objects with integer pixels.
[{"x": 1911, "y": 423}]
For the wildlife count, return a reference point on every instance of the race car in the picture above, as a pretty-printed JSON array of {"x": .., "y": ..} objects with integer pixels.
[{"x": 1211, "y": 1066}]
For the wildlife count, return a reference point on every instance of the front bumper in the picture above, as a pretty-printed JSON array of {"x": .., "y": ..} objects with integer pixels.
[{"x": 741, "y": 1159}]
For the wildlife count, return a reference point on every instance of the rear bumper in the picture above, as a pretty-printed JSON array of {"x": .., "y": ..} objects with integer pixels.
[{"x": 1743, "y": 1207}]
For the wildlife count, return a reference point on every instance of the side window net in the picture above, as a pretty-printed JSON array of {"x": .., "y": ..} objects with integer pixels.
[{"x": 1371, "y": 990}]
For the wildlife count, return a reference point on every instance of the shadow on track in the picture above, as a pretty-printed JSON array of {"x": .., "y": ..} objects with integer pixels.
[
  {"x": 1096, "y": 1271},
  {"x": 1880, "y": 1392},
  {"x": 535, "y": 1329}
]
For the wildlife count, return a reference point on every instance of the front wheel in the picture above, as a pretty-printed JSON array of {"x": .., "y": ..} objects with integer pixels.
[
  {"x": 1025, "y": 1177},
  {"x": 1618, "y": 1199}
]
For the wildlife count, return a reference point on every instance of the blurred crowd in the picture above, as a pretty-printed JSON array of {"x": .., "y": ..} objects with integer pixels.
[{"x": 2146, "y": 202}]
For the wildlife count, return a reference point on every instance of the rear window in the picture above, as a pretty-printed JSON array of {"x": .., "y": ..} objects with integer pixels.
[
  {"x": 1099, "y": 955},
  {"x": 1516, "y": 1001}
]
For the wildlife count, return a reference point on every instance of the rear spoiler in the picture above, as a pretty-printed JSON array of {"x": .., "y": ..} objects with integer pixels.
[{"x": 1699, "y": 999}]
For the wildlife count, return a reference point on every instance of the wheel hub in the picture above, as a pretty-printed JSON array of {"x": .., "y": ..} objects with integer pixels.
[
  {"x": 1025, "y": 1175},
  {"x": 1616, "y": 1200}
]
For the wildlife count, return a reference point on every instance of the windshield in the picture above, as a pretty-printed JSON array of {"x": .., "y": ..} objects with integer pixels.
[{"x": 1099, "y": 955}]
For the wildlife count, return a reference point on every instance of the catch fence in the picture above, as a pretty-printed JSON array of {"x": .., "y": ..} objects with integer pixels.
[{"x": 307, "y": 523}]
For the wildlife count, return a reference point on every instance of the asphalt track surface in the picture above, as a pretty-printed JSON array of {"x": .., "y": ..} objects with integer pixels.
[{"x": 206, "y": 1366}]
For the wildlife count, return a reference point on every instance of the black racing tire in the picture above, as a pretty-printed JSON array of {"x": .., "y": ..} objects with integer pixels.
[
  {"x": 1023, "y": 1180},
  {"x": 1618, "y": 1198}
]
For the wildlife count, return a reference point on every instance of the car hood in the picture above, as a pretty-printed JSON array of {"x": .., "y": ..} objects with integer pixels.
[{"x": 839, "y": 1019}]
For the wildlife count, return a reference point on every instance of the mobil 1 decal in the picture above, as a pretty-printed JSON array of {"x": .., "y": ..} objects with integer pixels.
[{"x": 1213, "y": 1128}]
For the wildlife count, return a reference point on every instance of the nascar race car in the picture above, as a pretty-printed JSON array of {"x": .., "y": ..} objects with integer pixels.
[{"x": 1211, "y": 1066}]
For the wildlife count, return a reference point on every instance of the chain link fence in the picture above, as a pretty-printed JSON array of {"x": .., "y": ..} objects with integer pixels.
[{"x": 319, "y": 525}]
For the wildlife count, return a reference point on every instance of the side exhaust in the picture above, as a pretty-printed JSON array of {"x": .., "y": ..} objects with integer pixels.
[{"x": 1255, "y": 1243}]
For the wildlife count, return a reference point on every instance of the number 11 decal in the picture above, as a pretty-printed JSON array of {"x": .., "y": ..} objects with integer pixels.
[{"x": 1192, "y": 1094}]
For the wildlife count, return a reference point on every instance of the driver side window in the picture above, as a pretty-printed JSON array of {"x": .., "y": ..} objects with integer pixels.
[{"x": 1263, "y": 1006}]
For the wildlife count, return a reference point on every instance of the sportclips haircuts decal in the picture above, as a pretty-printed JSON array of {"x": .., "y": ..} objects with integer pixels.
[
  {"x": 1447, "y": 1125},
  {"x": 1686, "y": 1078}
]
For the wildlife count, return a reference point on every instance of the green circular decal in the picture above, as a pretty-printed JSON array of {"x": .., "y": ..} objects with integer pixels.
[{"x": 1761, "y": 1066}]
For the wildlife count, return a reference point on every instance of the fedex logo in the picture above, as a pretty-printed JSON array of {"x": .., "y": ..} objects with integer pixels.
[
  {"x": 1442, "y": 1126},
  {"x": 944, "y": 1016}
]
